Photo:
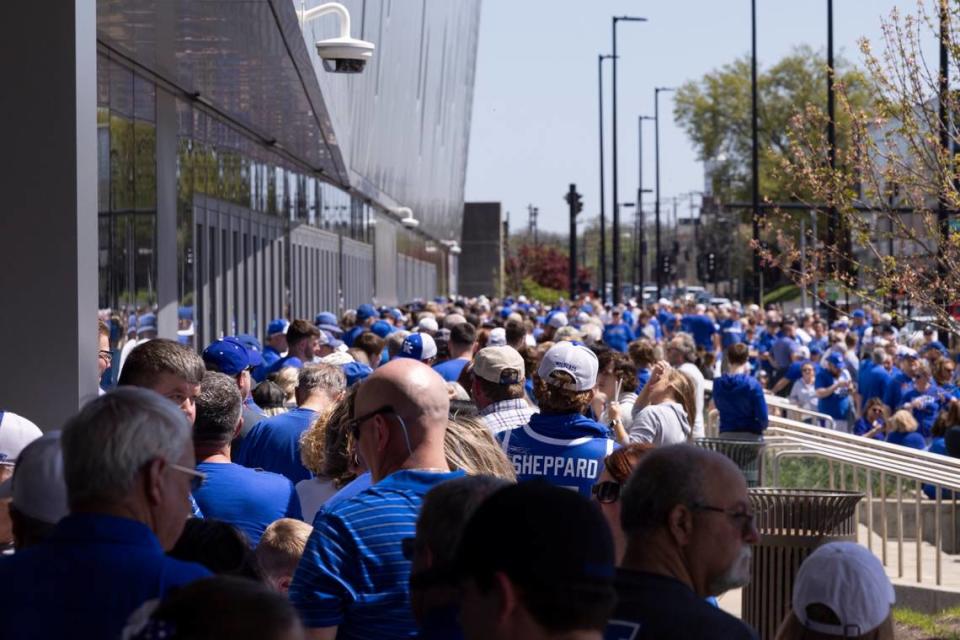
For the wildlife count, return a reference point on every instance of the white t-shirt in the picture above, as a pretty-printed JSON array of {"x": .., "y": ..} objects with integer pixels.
[
  {"x": 693, "y": 373},
  {"x": 660, "y": 424},
  {"x": 804, "y": 395},
  {"x": 313, "y": 493}
]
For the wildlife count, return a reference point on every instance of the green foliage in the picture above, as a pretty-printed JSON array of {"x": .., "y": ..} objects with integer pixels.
[
  {"x": 535, "y": 291},
  {"x": 782, "y": 294}
]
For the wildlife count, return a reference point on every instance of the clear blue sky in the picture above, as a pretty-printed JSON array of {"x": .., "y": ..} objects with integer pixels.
[{"x": 535, "y": 125}]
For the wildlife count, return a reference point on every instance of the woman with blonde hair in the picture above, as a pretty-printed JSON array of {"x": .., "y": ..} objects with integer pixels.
[
  {"x": 287, "y": 379},
  {"x": 666, "y": 408},
  {"x": 469, "y": 446},
  {"x": 901, "y": 429}
]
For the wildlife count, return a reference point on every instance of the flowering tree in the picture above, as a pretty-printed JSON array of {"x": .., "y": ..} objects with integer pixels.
[
  {"x": 543, "y": 265},
  {"x": 893, "y": 177}
]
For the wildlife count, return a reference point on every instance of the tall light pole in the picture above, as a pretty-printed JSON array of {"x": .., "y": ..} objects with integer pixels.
[
  {"x": 755, "y": 155},
  {"x": 603, "y": 216},
  {"x": 639, "y": 239},
  {"x": 616, "y": 209},
  {"x": 656, "y": 144}
]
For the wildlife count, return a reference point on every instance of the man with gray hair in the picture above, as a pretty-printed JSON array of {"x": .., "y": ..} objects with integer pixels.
[
  {"x": 249, "y": 499},
  {"x": 129, "y": 468},
  {"x": 688, "y": 524},
  {"x": 274, "y": 443}
]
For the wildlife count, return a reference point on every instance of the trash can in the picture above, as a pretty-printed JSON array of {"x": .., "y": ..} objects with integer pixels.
[
  {"x": 792, "y": 523},
  {"x": 746, "y": 454}
]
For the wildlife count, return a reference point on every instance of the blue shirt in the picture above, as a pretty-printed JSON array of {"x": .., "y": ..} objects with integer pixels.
[
  {"x": 643, "y": 377},
  {"x": 731, "y": 332},
  {"x": 287, "y": 361},
  {"x": 740, "y": 403},
  {"x": 270, "y": 356},
  {"x": 361, "y": 483},
  {"x": 353, "y": 574},
  {"x": 861, "y": 427},
  {"x": 781, "y": 351},
  {"x": 564, "y": 449},
  {"x": 246, "y": 498},
  {"x": 837, "y": 405},
  {"x": 913, "y": 440},
  {"x": 929, "y": 407},
  {"x": 451, "y": 369},
  {"x": 873, "y": 381},
  {"x": 668, "y": 322},
  {"x": 274, "y": 444},
  {"x": 618, "y": 336},
  {"x": 795, "y": 370},
  {"x": 702, "y": 328},
  {"x": 352, "y": 335},
  {"x": 897, "y": 384},
  {"x": 86, "y": 579}
]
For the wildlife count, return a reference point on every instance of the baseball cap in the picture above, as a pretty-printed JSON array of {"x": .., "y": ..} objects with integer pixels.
[
  {"x": 396, "y": 314},
  {"x": 428, "y": 324},
  {"x": 858, "y": 313},
  {"x": 907, "y": 352},
  {"x": 557, "y": 319},
  {"x": 497, "y": 337},
  {"x": 253, "y": 348},
  {"x": 366, "y": 311},
  {"x": 453, "y": 319},
  {"x": 851, "y": 582},
  {"x": 573, "y": 358},
  {"x": 500, "y": 365},
  {"x": 382, "y": 328},
  {"x": 802, "y": 352},
  {"x": 16, "y": 432},
  {"x": 548, "y": 526},
  {"x": 834, "y": 358},
  {"x": 37, "y": 486},
  {"x": 227, "y": 355},
  {"x": 419, "y": 346},
  {"x": 277, "y": 325},
  {"x": 325, "y": 317},
  {"x": 355, "y": 371},
  {"x": 147, "y": 322}
]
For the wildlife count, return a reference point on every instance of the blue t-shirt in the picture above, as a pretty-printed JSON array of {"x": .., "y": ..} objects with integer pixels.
[
  {"x": 873, "y": 382},
  {"x": 781, "y": 351},
  {"x": 618, "y": 336},
  {"x": 353, "y": 575},
  {"x": 643, "y": 377},
  {"x": 86, "y": 579},
  {"x": 740, "y": 403},
  {"x": 564, "y": 449},
  {"x": 702, "y": 328},
  {"x": 897, "y": 385},
  {"x": 913, "y": 440},
  {"x": 731, "y": 332},
  {"x": 246, "y": 498},
  {"x": 837, "y": 405},
  {"x": 451, "y": 369},
  {"x": 270, "y": 356},
  {"x": 929, "y": 407},
  {"x": 274, "y": 444},
  {"x": 861, "y": 427},
  {"x": 668, "y": 322},
  {"x": 352, "y": 335}
]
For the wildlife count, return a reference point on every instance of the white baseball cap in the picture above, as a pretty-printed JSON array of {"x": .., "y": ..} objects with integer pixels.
[
  {"x": 16, "y": 432},
  {"x": 37, "y": 487},
  {"x": 848, "y": 579},
  {"x": 419, "y": 346},
  {"x": 428, "y": 324},
  {"x": 557, "y": 320},
  {"x": 576, "y": 360},
  {"x": 497, "y": 337}
]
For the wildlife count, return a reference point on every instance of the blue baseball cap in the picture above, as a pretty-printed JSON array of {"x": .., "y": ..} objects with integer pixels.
[
  {"x": 325, "y": 317},
  {"x": 355, "y": 372},
  {"x": 277, "y": 325},
  {"x": 858, "y": 313},
  {"x": 815, "y": 350},
  {"x": 147, "y": 322},
  {"x": 396, "y": 314},
  {"x": 185, "y": 313},
  {"x": 936, "y": 344},
  {"x": 834, "y": 358},
  {"x": 227, "y": 356},
  {"x": 253, "y": 348},
  {"x": 366, "y": 311},
  {"x": 382, "y": 328},
  {"x": 419, "y": 346}
]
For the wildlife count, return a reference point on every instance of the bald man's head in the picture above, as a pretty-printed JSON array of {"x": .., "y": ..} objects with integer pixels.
[{"x": 414, "y": 390}]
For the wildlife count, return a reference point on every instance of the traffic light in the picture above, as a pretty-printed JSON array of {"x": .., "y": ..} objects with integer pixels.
[
  {"x": 711, "y": 264},
  {"x": 575, "y": 200},
  {"x": 666, "y": 264}
]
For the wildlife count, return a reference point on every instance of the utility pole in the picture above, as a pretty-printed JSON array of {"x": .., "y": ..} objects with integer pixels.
[
  {"x": 532, "y": 231},
  {"x": 943, "y": 214},
  {"x": 602, "y": 267},
  {"x": 574, "y": 200},
  {"x": 755, "y": 156}
]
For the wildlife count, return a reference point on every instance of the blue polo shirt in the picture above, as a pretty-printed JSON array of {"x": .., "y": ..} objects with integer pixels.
[
  {"x": 564, "y": 449},
  {"x": 353, "y": 574},
  {"x": 896, "y": 386},
  {"x": 837, "y": 405},
  {"x": 249, "y": 499},
  {"x": 668, "y": 322},
  {"x": 781, "y": 351},
  {"x": 740, "y": 403},
  {"x": 618, "y": 336},
  {"x": 731, "y": 332},
  {"x": 929, "y": 407},
  {"x": 86, "y": 579},
  {"x": 451, "y": 369},
  {"x": 274, "y": 444},
  {"x": 702, "y": 328}
]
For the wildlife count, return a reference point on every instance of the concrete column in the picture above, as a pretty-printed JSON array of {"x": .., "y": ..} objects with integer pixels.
[
  {"x": 167, "y": 256},
  {"x": 48, "y": 230}
]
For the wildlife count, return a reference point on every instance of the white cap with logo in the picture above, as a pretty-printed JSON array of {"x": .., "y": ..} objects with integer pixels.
[
  {"x": 37, "y": 487},
  {"x": 16, "y": 432},
  {"x": 576, "y": 360}
]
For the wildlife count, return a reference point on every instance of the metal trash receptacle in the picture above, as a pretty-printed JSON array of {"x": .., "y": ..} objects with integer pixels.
[
  {"x": 792, "y": 523},
  {"x": 746, "y": 454}
]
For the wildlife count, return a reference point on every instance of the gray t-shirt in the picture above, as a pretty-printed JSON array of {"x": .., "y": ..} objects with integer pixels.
[{"x": 660, "y": 424}]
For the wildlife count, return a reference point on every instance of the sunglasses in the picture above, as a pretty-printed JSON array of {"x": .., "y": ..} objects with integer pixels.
[
  {"x": 743, "y": 519},
  {"x": 197, "y": 478},
  {"x": 606, "y": 492},
  {"x": 353, "y": 425}
]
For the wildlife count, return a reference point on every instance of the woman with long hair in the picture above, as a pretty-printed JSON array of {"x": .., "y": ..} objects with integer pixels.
[{"x": 669, "y": 411}]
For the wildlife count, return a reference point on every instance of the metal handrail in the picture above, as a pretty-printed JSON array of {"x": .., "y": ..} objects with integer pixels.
[{"x": 780, "y": 403}]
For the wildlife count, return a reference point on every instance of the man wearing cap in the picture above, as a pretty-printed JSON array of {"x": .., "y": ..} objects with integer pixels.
[
  {"x": 327, "y": 322},
  {"x": 498, "y": 389},
  {"x": 560, "y": 444},
  {"x": 782, "y": 348},
  {"x": 463, "y": 338},
  {"x": 873, "y": 376},
  {"x": 666, "y": 318},
  {"x": 617, "y": 335},
  {"x": 303, "y": 342},
  {"x": 366, "y": 316},
  {"x": 419, "y": 346},
  {"x": 249, "y": 499},
  {"x": 731, "y": 329},
  {"x": 834, "y": 389},
  {"x": 353, "y": 581},
  {"x": 36, "y": 493},
  {"x": 900, "y": 381},
  {"x": 554, "y": 579},
  {"x": 274, "y": 443},
  {"x": 230, "y": 357},
  {"x": 274, "y": 347},
  {"x": 686, "y": 515},
  {"x": 554, "y": 321},
  {"x": 146, "y": 331}
]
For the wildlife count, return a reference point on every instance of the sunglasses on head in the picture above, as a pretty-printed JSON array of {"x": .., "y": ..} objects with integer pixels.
[{"x": 606, "y": 492}]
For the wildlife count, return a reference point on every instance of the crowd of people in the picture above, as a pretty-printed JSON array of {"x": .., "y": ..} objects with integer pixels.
[{"x": 449, "y": 469}]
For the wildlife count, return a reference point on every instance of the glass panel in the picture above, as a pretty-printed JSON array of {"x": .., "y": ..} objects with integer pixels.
[
  {"x": 145, "y": 162},
  {"x": 145, "y": 260},
  {"x": 121, "y": 163}
]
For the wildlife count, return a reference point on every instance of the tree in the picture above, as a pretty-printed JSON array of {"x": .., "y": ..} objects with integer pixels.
[
  {"x": 890, "y": 179},
  {"x": 542, "y": 265},
  {"x": 715, "y": 112}
]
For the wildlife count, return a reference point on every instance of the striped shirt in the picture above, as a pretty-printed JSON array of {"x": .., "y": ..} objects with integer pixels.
[
  {"x": 507, "y": 414},
  {"x": 353, "y": 574}
]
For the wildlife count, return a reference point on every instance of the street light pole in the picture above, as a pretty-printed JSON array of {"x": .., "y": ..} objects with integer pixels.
[
  {"x": 616, "y": 209},
  {"x": 755, "y": 157},
  {"x": 640, "y": 239},
  {"x": 656, "y": 145},
  {"x": 602, "y": 270}
]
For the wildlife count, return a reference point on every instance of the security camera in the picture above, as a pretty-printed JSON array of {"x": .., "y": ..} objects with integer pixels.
[
  {"x": 344, "y": 55},
  {"x": 455, "y": 249},
  {"x": 408, "y": 220}
]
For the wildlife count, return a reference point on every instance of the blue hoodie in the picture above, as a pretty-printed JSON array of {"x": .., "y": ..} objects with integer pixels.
[
  {"x": 740, "y": 402},
  {"x": 564, "y": 449}
]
